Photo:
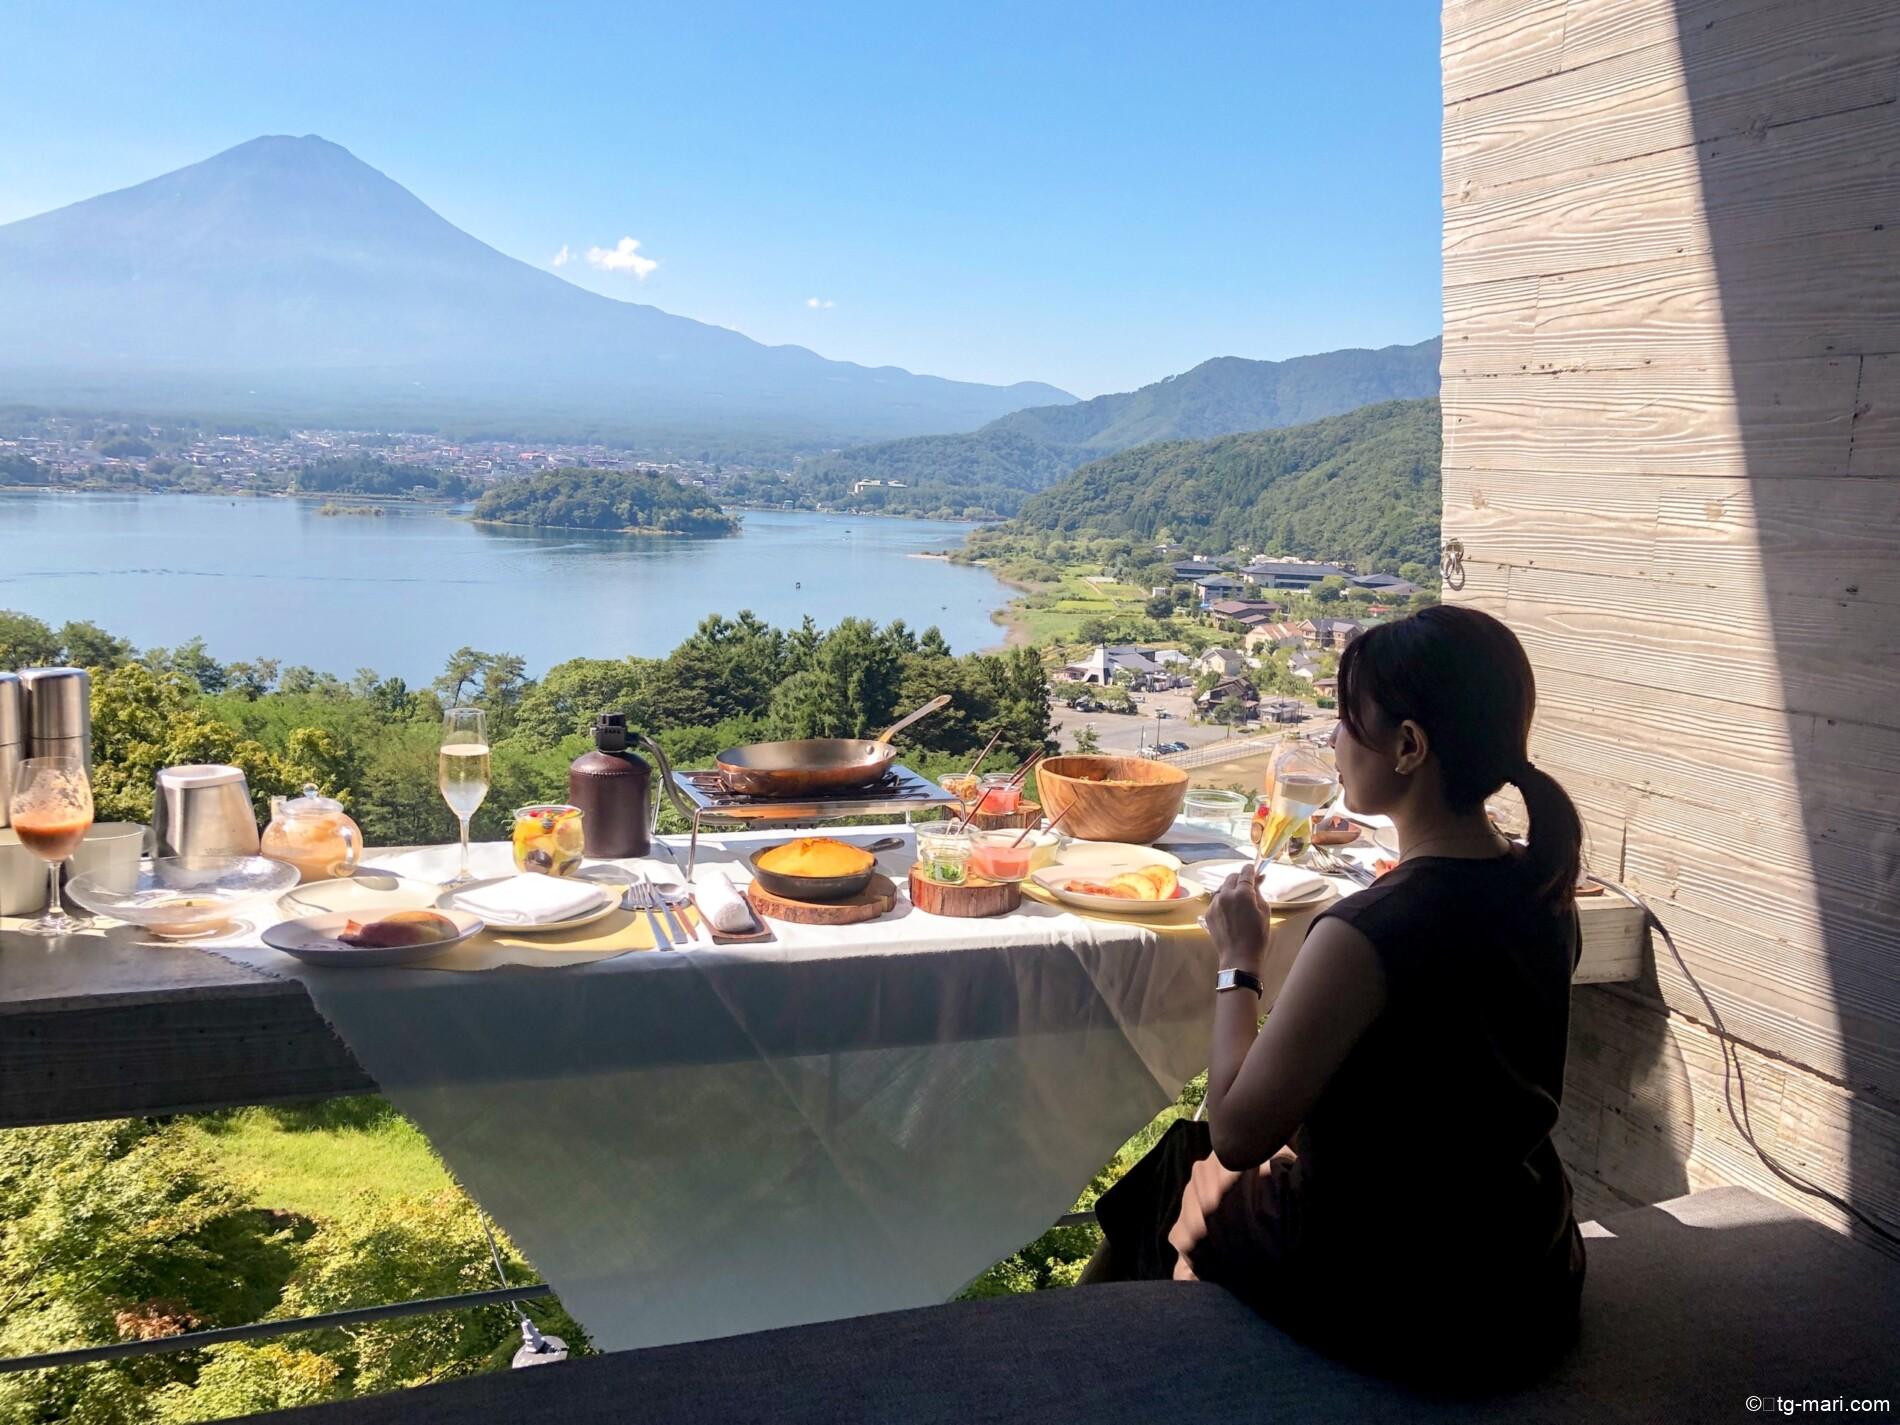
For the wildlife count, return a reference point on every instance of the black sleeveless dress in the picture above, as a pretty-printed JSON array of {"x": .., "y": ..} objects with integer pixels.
[{"x": 1420, "y": 1221}]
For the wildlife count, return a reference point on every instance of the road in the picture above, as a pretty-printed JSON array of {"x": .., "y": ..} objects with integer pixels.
[{"x": 1127, "y": 734}]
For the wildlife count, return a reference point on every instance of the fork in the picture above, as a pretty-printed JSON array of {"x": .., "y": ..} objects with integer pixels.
[
  {"x": 1336, "y": 865},
  {"x": 639, "y": 896}
]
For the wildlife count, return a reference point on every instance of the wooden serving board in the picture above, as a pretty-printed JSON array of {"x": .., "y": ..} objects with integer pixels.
[
  {"x": 868, "y": 904},
  {"x": 1027, "y": 813},
  {"x": 972, "y": 900}
]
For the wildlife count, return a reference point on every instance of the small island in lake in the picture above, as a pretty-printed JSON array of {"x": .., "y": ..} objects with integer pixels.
[{"x": 617, "y": 501}]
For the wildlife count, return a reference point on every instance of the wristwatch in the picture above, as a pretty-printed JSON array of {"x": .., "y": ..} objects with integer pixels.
[{"x": 1239, "y": 980}]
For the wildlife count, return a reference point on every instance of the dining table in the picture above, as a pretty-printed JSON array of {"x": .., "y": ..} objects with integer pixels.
[{"x": 696, "y": 1141}]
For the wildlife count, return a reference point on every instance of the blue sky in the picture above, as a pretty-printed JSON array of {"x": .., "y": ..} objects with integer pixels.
[{"x": 1095, "y": 195}]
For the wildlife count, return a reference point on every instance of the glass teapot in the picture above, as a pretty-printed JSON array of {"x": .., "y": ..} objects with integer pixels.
[{"x": 314, "y": 834}]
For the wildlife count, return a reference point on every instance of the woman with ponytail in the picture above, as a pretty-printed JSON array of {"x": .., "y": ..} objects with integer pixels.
[{"x": 1376, "y": 1168}]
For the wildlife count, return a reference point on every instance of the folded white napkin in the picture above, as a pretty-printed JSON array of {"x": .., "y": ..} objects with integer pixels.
[
  {"x": 1281, "y": 882},
  {"x": 532, "y": 900},
  {"x": 722, "y": 904}
]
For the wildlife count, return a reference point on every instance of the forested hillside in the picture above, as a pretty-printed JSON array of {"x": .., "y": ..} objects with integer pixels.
[
  {"x": 630, "y": 500},
  {"x": 1362, "y": 487},
  {"x": 991, "y": 471}
]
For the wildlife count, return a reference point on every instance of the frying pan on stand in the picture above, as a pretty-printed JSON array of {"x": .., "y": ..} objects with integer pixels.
[{"x": 815, "y": 764}]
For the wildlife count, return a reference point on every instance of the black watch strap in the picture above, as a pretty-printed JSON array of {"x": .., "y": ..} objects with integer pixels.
[{"x": 1239, "y": 980}]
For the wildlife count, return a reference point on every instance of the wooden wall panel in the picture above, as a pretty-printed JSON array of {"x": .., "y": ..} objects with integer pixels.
[
  {"x": 1672, "y": 453},
  {"x": 1655, "y": 420},
  {"x": 1812, "y": 179},
  {"x": 1754, "y": 68}
]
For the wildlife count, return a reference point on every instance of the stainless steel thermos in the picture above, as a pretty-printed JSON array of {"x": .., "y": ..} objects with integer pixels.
[
  {"x": 12, "y": 736},
  {"x": 58, "y": 713}
]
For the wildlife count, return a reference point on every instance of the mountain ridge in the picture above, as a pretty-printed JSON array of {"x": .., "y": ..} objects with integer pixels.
[
  {"x": 286, "y": 270},
  {"x": 992, "y": 470},
  {"x": 1364, "y": 487}
]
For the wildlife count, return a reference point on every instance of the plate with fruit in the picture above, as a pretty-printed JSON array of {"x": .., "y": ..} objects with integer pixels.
[{"x": 397, "y": 937}]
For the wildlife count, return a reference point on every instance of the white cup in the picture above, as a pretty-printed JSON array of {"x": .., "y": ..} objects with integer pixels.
[
  {"x": 111, "y": 846},
  {"x": 22, "y": 877},
  {"x": 115, "y": 847}
]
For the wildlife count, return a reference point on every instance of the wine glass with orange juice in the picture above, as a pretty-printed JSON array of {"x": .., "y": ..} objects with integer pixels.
[{"x": 51, "y": 811}]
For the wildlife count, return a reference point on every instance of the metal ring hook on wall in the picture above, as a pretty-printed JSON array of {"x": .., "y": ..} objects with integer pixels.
[{"x": 1451, "y": 563}]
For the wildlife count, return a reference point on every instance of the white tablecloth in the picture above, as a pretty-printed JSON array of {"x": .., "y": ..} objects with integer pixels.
[{"x": 851, "y": 1120}]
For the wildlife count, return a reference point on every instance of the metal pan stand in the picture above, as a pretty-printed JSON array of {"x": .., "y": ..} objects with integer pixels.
[{"x": 705, "y": 801}]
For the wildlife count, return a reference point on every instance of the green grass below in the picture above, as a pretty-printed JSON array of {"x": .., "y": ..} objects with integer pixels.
[{"x": 314, "y": 1160}]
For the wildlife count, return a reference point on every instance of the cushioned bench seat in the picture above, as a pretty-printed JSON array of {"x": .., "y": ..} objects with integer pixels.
[{"x": 1690, "y": 1308}]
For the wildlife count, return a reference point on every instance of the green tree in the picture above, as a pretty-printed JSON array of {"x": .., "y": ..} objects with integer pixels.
[
  {"x": 117, "y": 1230},
  {"x": 851, "y": 687},
  {"x": 144, "y": 720},
  {"x": 727, "y": 668},
  {"x": 565, "y": 702},
  {"x": 86, "y": 645},
  {"x": 1086, "y": 740},
  {"x": 252, "y": 680},
  {"x": 1330, "y": 589},
  {"x": 27, "y": 642}
]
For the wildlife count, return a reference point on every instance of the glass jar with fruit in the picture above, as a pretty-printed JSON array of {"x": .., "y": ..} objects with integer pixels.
[{"x": 548, "y": 839}]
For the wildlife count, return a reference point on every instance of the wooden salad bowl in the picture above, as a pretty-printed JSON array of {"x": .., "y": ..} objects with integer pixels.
[{"x": 1114, "y": 798}]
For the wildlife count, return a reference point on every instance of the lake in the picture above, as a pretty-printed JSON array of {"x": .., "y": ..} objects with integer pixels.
[{"x": 259, "y": 577}]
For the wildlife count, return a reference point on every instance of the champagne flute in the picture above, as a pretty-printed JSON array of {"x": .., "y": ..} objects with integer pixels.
[
  {"x": 51, "y": 811},
  {"x": 461, "y": 771},
  {"x": 1303, "y": 783}
]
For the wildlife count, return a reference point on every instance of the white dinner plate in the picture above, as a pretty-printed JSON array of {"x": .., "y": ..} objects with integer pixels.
[
  {"x": 312, "y": 938},
  {"x": 610, "y": 893},
  {"x": 1111, "y": 858},
  {"x": 1212, "y": 873},
  {"x": 364, "y": 896},
  {"x": 1055, "y": 880}
]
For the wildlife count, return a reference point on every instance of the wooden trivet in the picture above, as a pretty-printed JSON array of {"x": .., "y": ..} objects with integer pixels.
[
  {"x": 868, "y": 904},
  {"x": 972, "y": 900}
]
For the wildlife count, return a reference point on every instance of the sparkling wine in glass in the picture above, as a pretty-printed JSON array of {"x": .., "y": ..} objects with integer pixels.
[
  {"x": 461, "y": 771},
  {"x": 51, "y": 811},
  {"x": 1297, "y": 798}
]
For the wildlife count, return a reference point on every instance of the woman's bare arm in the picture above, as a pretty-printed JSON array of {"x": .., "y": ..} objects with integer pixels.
[{"x": 1261, "y": 1086}]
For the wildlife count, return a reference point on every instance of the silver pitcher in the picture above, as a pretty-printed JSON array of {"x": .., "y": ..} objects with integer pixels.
[{"x": 204, "y": 810}]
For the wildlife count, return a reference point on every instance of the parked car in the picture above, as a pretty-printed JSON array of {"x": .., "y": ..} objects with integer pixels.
[
  {"x": 1168, "y": 749},
  {"x": 1163, "y": 712}
]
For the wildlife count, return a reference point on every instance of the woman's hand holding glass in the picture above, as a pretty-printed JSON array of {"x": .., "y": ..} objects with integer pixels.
[{"x": 1239, "y": 922}]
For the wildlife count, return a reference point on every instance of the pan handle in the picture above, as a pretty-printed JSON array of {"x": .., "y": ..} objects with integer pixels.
[{"x": 942, "y": 700}]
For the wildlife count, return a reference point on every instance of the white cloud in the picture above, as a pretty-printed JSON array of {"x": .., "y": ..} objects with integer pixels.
[
  {"x": 623, "y": 256},
  {"x": 816, "y": 303},
  {"x": 563, "y": 257}
]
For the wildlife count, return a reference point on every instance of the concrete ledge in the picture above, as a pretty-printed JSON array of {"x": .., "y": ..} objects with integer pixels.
[{"x": 1691, "y": 1307}]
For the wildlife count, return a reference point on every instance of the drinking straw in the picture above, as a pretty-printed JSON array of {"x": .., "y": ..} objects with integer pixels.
[
  {"x": 1016, "y": 780},
  {"x": 1050, "y": 827},
  {"x": 977, "y": 806},
  {"x": 984, "y": 754},
  {"x": 1021, "y": 774}
]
